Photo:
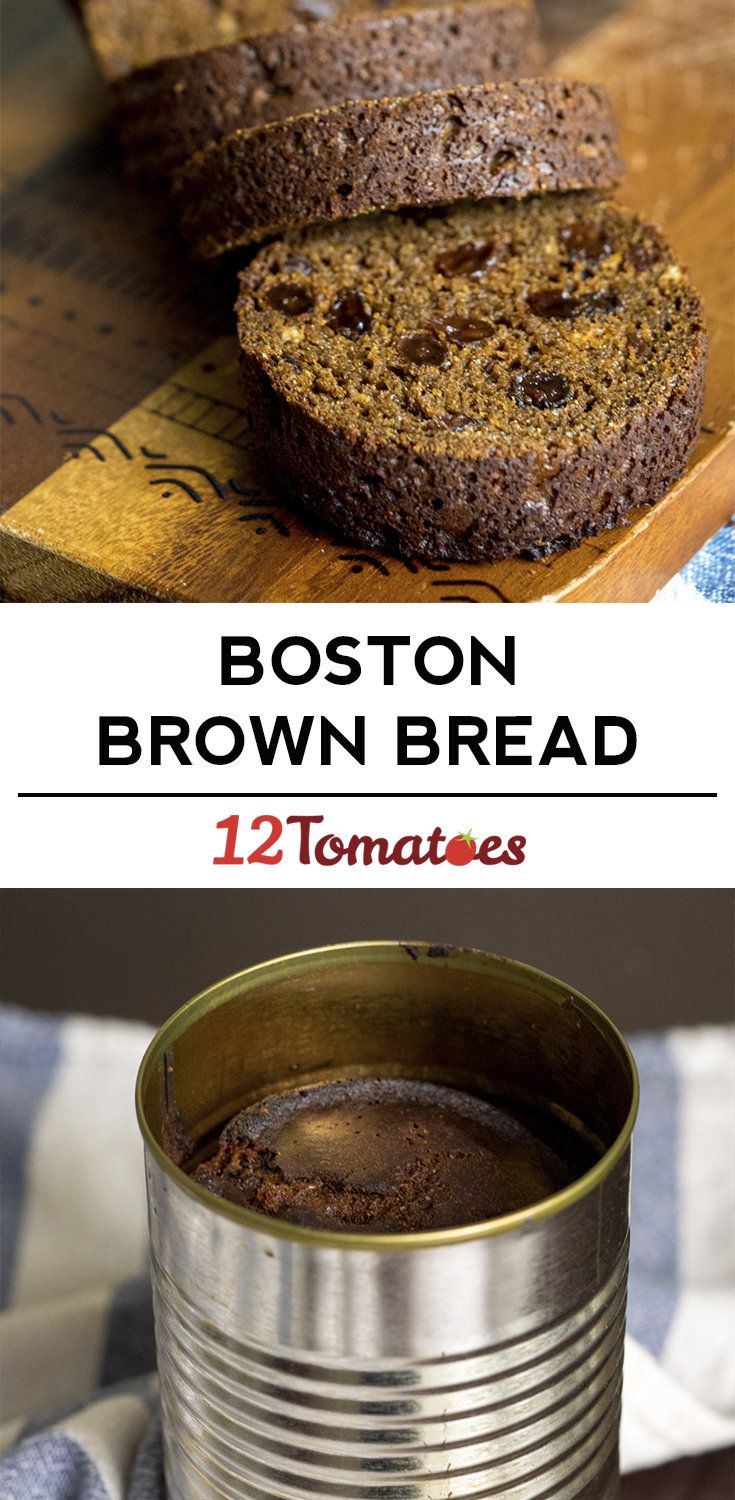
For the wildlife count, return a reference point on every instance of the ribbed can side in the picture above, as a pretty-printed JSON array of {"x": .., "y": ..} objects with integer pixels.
[
  {"x": 532, "y": 1417},
  {"x": 465, "y": 1364}
]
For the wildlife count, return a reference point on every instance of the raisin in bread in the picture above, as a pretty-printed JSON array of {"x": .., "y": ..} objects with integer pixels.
[
  {"x": 507, "y": 139},
  {"x": 478, "y": 382}
]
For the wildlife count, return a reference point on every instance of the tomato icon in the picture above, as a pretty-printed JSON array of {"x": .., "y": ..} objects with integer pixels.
[{"x": 462, "y": 849}]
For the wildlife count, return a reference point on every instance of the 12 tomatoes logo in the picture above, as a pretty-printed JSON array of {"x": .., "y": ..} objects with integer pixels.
[
  {"x": 269, "y": 839},
  {"x": 462, "y": 849}
]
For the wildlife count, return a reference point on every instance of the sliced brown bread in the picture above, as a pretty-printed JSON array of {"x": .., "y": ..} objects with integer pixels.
[
  {"x": 129, "y": 34},
  {"x": 488, "y": 380},
  {"x": 480, "y": 141},
  {"x": 178, "y": 106}
]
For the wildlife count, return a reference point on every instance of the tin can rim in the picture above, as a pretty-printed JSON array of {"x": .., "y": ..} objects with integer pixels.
[{"x": 379, "y": 951}]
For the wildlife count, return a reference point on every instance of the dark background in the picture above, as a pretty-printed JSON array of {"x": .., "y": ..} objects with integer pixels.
[{"x": 650, "y": 958}]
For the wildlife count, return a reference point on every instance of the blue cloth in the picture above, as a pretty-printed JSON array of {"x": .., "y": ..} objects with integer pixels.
[{"x": 710, "y": 576}]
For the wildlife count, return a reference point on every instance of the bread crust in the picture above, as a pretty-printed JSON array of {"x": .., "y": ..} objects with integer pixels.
[
  {"x": 479, "y": 141},
  {"x": 179, "y": 106},
  {"x": 494, "y": 508}
]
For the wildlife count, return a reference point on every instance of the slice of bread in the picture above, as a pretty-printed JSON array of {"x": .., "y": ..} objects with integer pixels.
[
  {"x": 129, "y": 34},
  {"x": 178, "y": 106},
  {"x": 488, "y": 140},
  {"x": 475, "y": 383}
]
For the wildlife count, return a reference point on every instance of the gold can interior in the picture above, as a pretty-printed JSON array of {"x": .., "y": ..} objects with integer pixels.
[{"x": 453, "y": 1016}]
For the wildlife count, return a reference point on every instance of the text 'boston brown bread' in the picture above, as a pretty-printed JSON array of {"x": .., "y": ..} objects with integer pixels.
[
  {"x": 479, "y": 141},
  {"x": 483, "y": 381},
  {"x": 392, "y": 1156},
  {"x": 311, "y": 55}
]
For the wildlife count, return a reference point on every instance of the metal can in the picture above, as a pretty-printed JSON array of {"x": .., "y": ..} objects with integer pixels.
[{"x": 480, "y": 1361}]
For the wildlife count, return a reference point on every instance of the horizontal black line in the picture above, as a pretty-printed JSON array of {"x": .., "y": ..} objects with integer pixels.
[{"x": 294, "y": 795}]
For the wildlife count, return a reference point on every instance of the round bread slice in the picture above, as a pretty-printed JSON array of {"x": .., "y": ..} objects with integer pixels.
[
  {"x": 475, "y": 383},
  {"x": 495, "y": 139},
  {"x": 317, "y": 54}
]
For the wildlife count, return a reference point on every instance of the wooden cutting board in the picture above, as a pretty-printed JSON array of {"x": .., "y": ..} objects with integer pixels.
[{"x": 129, "y": 467}]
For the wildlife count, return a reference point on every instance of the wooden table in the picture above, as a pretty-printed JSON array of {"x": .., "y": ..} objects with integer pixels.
[{"x": 130, "y": 471}]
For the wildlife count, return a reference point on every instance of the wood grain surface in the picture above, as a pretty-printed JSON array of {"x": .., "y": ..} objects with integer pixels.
[{"x": 129, "y": 467}]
